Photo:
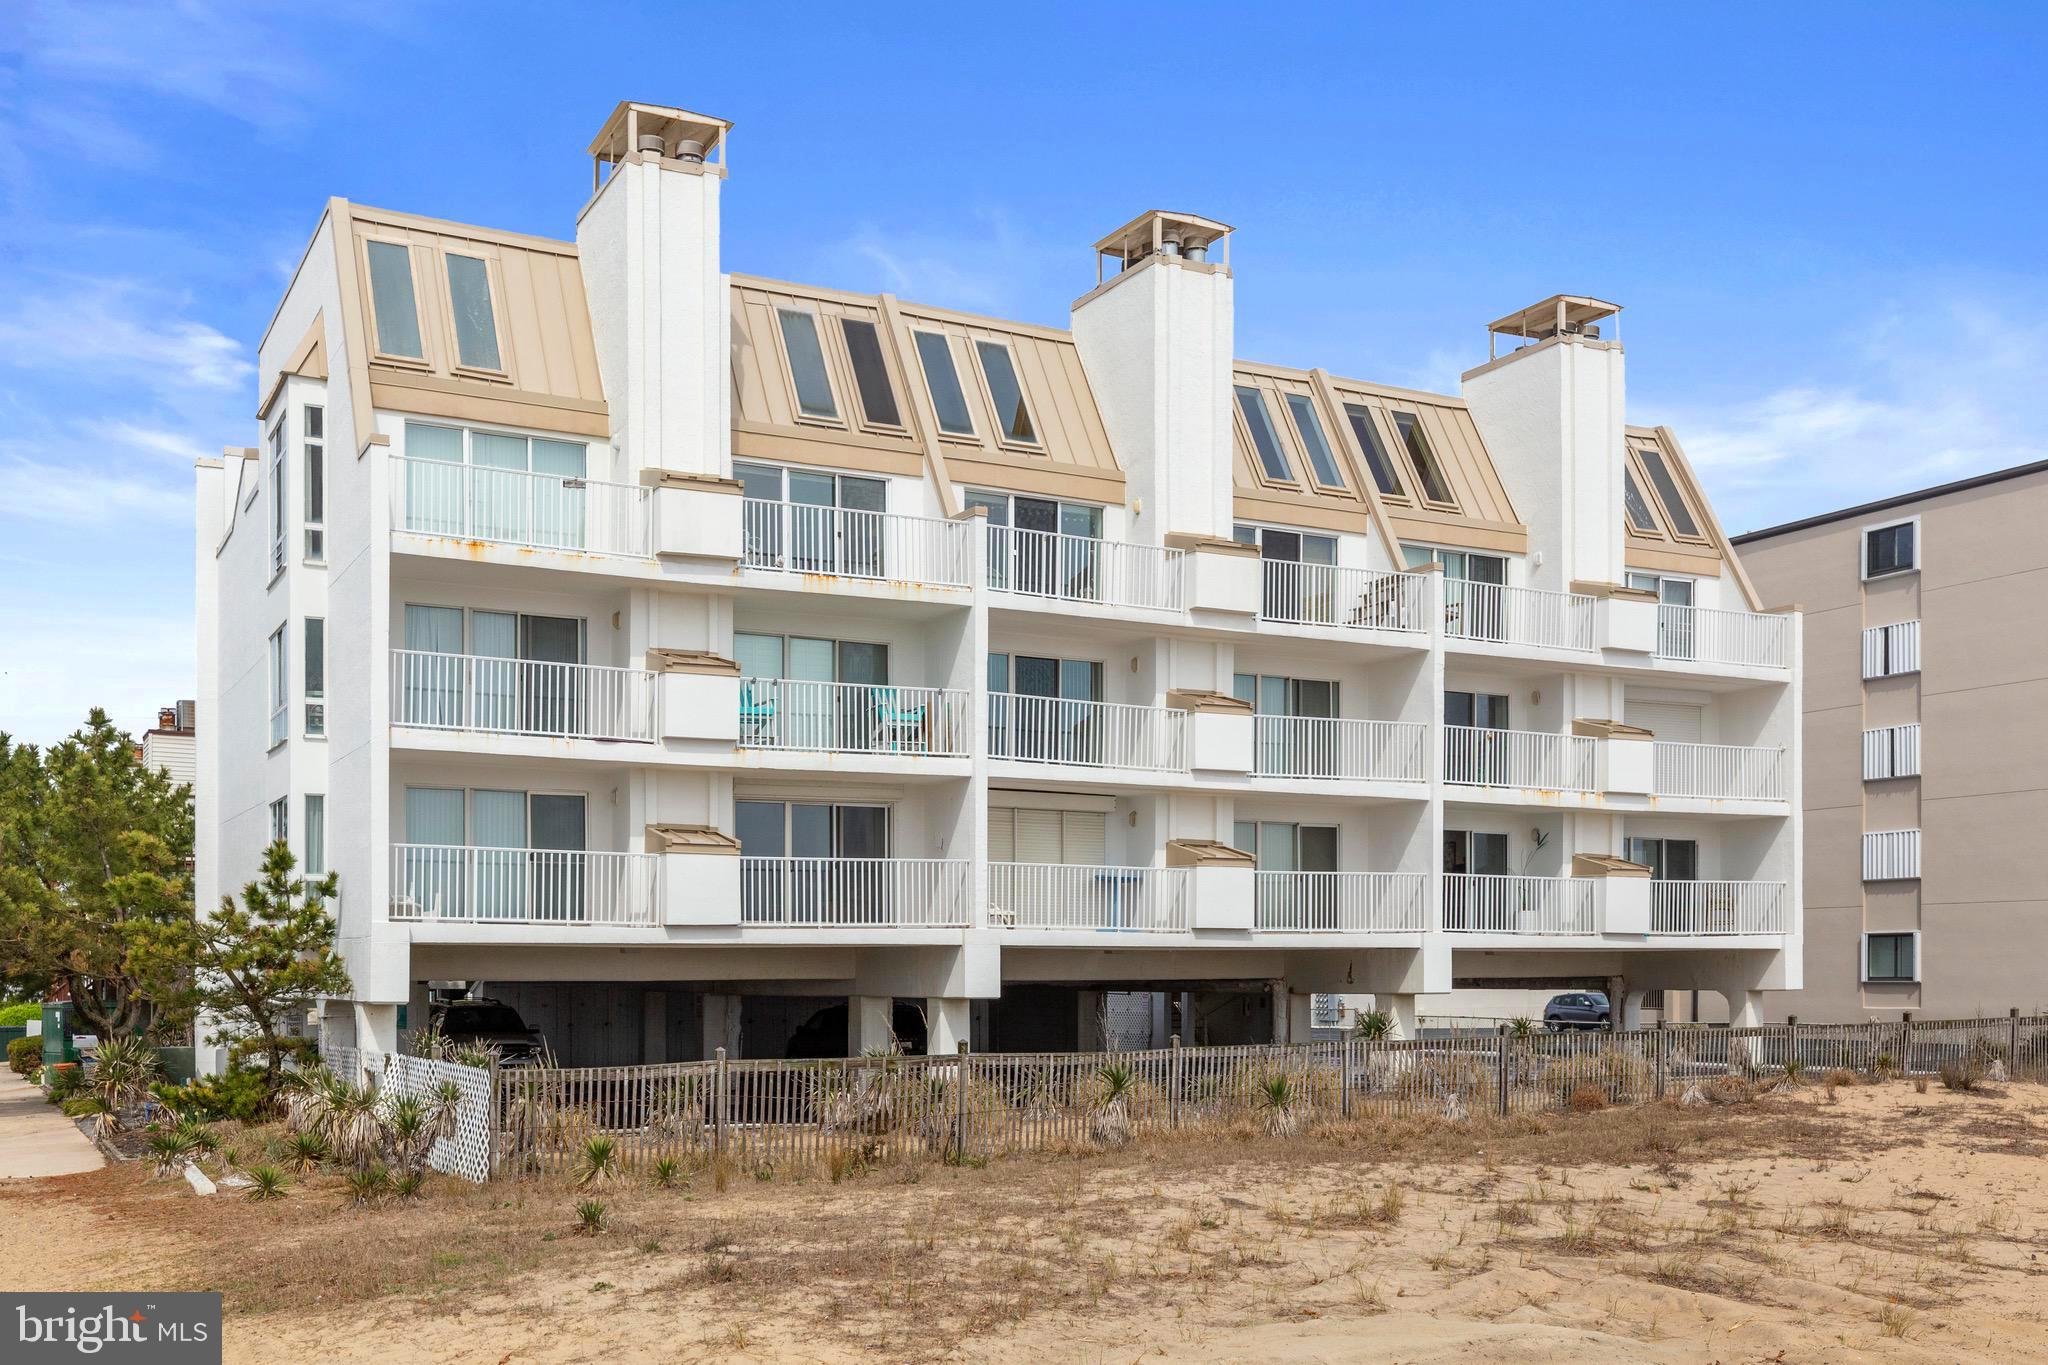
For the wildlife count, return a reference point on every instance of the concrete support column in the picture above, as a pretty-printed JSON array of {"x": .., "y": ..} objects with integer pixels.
[
  {"x": 377, "y": 1027},
  {"x": 721, "y": 1025},
  {"x": 1088, "y": 1022},
  {"x": 1401, "y": 1010},
  {"x": 869, "y": 1024},
  {"x": 1294, "y": 1017},
  {"x": 946, "y": 1025},
  {"x": 1631, "y": 1016},
  {"x": 1745, "y": 1007}
]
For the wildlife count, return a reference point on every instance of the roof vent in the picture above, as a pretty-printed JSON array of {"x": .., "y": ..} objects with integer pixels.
[
  {"x": 1181, "y": 236},
  {"x": 1560, "y": 315},
  {"x": 689, "y": 149},
  {"x": 651, "y": 142}
]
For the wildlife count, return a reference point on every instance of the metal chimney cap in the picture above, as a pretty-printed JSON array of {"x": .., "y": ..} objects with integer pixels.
[
  {"x": 689, "y": 149},
  {"x": 651, "y": 142}
]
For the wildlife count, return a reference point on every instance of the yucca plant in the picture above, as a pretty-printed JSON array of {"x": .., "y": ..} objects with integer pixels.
[
  {"x": 1277, "y": 1096},
  {"x": 123, "y": 1070},
  {"x": 590, "y": 1218},
  {"x": 305, "y": 1151},
  {"x": 1522, "y": 1028},
  {"x": 170, "y": 1148},
  {"x": 1374, "y": 1025},
  {"x": 447, "y": 1110},
  {"x": 407, "y": 1186},
  {"x": 1110, "y": 1125},
  {"x": 408, "y": 1125},
  {"x": 367, "y": 1184},
  {"x": 308, "y": 1099},
  {"x": 266, "y": 1183},
  {"x": 598, "y": 1161},
  {"x": 666, "y": 1172},
  {"x": 353, "y": 1127}
]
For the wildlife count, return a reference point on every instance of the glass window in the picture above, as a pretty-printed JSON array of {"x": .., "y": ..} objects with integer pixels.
[
  {"x": 807, "y": 364},
  {"x": 391, "y": 298},
  {"x": 1415, "y": 556},
  {"x": 1889, "y": 957},
  {"x": 997, "y": 505},
  {"x": 277, "y": 514},
  {"x": 423, "y": 442},
  {"x": 316, "y": 486},
  {"x": 1376, "y": 457},
  {"x": 1888, "y": 550},
  {"x": 1675, "y": 509},
  {"x": 1423, "y": 458},
  {"x": 316, "y": 835},
  {"x": 1003, "y": 386},
  {"x": 1265, "y": 440},
  {"x": 1320, "y": 460},
  {"x": 476, "y": 327},
  {"x": 316, "y": 675},
  {"x": 279, "y": 686},
  {"x": 870, "y": 374},
  {"x": 935, "y": 354},
  {"x": 1638, "y": 506},
  {"x": 281, "y": 820}
]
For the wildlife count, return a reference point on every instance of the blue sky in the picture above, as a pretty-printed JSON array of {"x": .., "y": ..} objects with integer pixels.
[{"x": 1826, "y": 222}]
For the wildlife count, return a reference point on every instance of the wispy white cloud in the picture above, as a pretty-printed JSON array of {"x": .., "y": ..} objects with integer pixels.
[
  {"x": 178, "y": 447},
  {"x": 987, "y": 265},
  {"x": 66, "y": 496},
  {"x": 118, "y": 327}
]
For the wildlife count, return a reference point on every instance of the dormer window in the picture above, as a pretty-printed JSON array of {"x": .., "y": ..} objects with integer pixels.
[
  {"x": 1265, "y": 440},
  {"x": 1677, "y": 515},
  {"x": 949, "y": 400},
  {"x": 870, "y": 373},
  {"x": 1376, "y": 458},
  {"x": 1000, "y": 371},
  {"x": 1320, "y": 460},
  {"x": 807, "y": 365},
  {"x": 393, "y": 301},
  {"x": 1423, "y": 458},
  {"x": 476, "y": 326},
  {"x": 1637, "y": 506}
]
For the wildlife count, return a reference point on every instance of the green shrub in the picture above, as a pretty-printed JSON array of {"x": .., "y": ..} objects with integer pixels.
[
  {"x": 14, "y": 1016},
  {"x": 24, "y": 1056},
  {"x": 237, "y": 1093},
  {"x": 62, "y": 1081}
]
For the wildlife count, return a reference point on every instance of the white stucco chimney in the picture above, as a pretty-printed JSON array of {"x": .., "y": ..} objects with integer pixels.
[
  {"x": 1156, "y": 341},
  {"x": 648, "y": 245},
  {"x": 1552, "y": 416}
]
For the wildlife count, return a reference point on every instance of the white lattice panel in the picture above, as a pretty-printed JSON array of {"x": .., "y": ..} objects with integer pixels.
[{"x": 467, "y": 1152}]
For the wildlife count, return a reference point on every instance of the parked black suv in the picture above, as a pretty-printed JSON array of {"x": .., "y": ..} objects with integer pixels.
[
  {"x": 482, "y": 1022},
  {"x": 1577, "y": 1009}
]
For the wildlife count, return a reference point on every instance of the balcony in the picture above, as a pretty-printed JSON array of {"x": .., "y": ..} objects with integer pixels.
[
  {"x": 844, "y": 542},
  {"x": 1342, "y": 902},
  {"x": 1704, "y": 908},
  {"x": 852, "y": 718},
  {"x": 1335, "y": 748},
  {"x": 854, "y": 893},
  {"x": 1477, "y": 903},
  {"x": 1113, "y": 573},
  {"x": 446, "y": 883},
  {"x": 1298, "y": 594},
  {"x": 1495, "y": 613},
  {"x": 1087, "y": 734},
  {"x": 516, "y": 507},
  {"x": 1530, "y": 760},
  {"x": 1722, "y": 772},
  {"x": 1709, "y": 635},
  {"x": 521, "y": 696},
  {"x": 1077, "y": 897}
]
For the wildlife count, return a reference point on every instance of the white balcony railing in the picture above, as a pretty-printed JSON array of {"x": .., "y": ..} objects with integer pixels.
[
  {"x": 452, "y": 883},
  {"x": 1534, "y": 759},
  {"x": 1718, "y": 908},
  {"x": 1342, "y": 902},
  {"x": 1329, "y": 595},
  {"x": 1710, "y": 635},
  {"x": 845, "y": 542},
  {"x": 516, "y": 507},
  {"x": 1090, "y": 734},
  {"x": 1086, "y": 569},
  {"x": 854, "y": 892},
  {"x": 848, "y": 718},
  {"x": 520, "y": 696},
  {"x": 1329, "y": 747},
  {"x": 1476, "y": 903},
  {"x": 1520, "y": 616},
  {"x": 1074, "y": 896},
  {"x": 1732, "y": 771}
]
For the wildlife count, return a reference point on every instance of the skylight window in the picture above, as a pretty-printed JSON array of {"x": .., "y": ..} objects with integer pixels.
[
  {"x": 1424, "y": 459},
  {"x": 1003, "y": 386},
  {"x": 1638, "y": 506},
  {"x": 1319, "y": 457},
  {"x": 393, "y": 301},
  {"x": 948, "y": 398},
  {"x": 1675, "y": 510},
  {"x": 476, "y": 328},
  {"x": 1265, "y": 440},
  {"x": 870, "y": 374},
  {"x": 807, "y": 364},
  {"x": 1376, "y": 458}
]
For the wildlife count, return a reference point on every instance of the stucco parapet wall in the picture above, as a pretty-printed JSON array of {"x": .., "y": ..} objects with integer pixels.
[
  {"x": 1617, "y": 591},
  {"x": 1606, "y": 865},
  {"x": 1207, "y": 703},
  {"x": 691, "y": 661},
  {"x": 1205, "y": 853},
  {"x": 1609, "y": 729},
  {"x": 1216, "y": 545},
  {"x": 692, "y": 839},
  {"x": 682, "y": 478}
]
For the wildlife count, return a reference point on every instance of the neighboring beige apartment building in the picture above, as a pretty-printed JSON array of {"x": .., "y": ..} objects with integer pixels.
[
  {"x": 1926, "y": 734},
  {"x": 171, "y": 745}
]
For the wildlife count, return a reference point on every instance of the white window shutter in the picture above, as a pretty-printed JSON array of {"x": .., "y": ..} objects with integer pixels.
[
  {"x": 1877, "y": 755},
  {"x": 1906, "y": 751},
  {"x": 1038, "y": 836},
  {"x": 1084, "y": 838},
  {"x": 1905, "y": 644},
  {"x": 1873, "y": 652},
  {"x": 1891, "y": 855},
  {"x": 1002, "y": 835}
]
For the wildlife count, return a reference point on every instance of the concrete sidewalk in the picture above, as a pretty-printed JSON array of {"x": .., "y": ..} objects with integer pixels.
[{"x": 35, "y": 1138}]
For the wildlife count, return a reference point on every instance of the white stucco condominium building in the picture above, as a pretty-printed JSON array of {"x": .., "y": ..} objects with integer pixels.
[{"x": 687, "y": 659}]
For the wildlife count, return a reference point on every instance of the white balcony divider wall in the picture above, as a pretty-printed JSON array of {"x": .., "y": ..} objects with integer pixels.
[
  {"x": 1477, "y": 903},
  {"x": 1090, "y": 734},
  {"x": 1728, "y": 771},
  {"x": 1710, "y": 635},
  {"x": 1302, "y": 594},
  {"x": 830, "y": 717},
  {"x": 1522, "y": 616},
  {"x": 443, "y": 883},
  {"x": 1698, "y": 908},
  {"x": 1085, "y": 569},
  {"x": 1342, "y": 902},
  {"x": 855, "y": 892},
  {"x": 1329, "y": 747},
  {"x": 521, "y": 507},
  {"x": 1891, "y": 855},
  {"x": 521, "y": 696},
  {"x": 1077, "y": 896},
  {"x": 1481, "y": 757},
  {"x": 799, "y": 537}
]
